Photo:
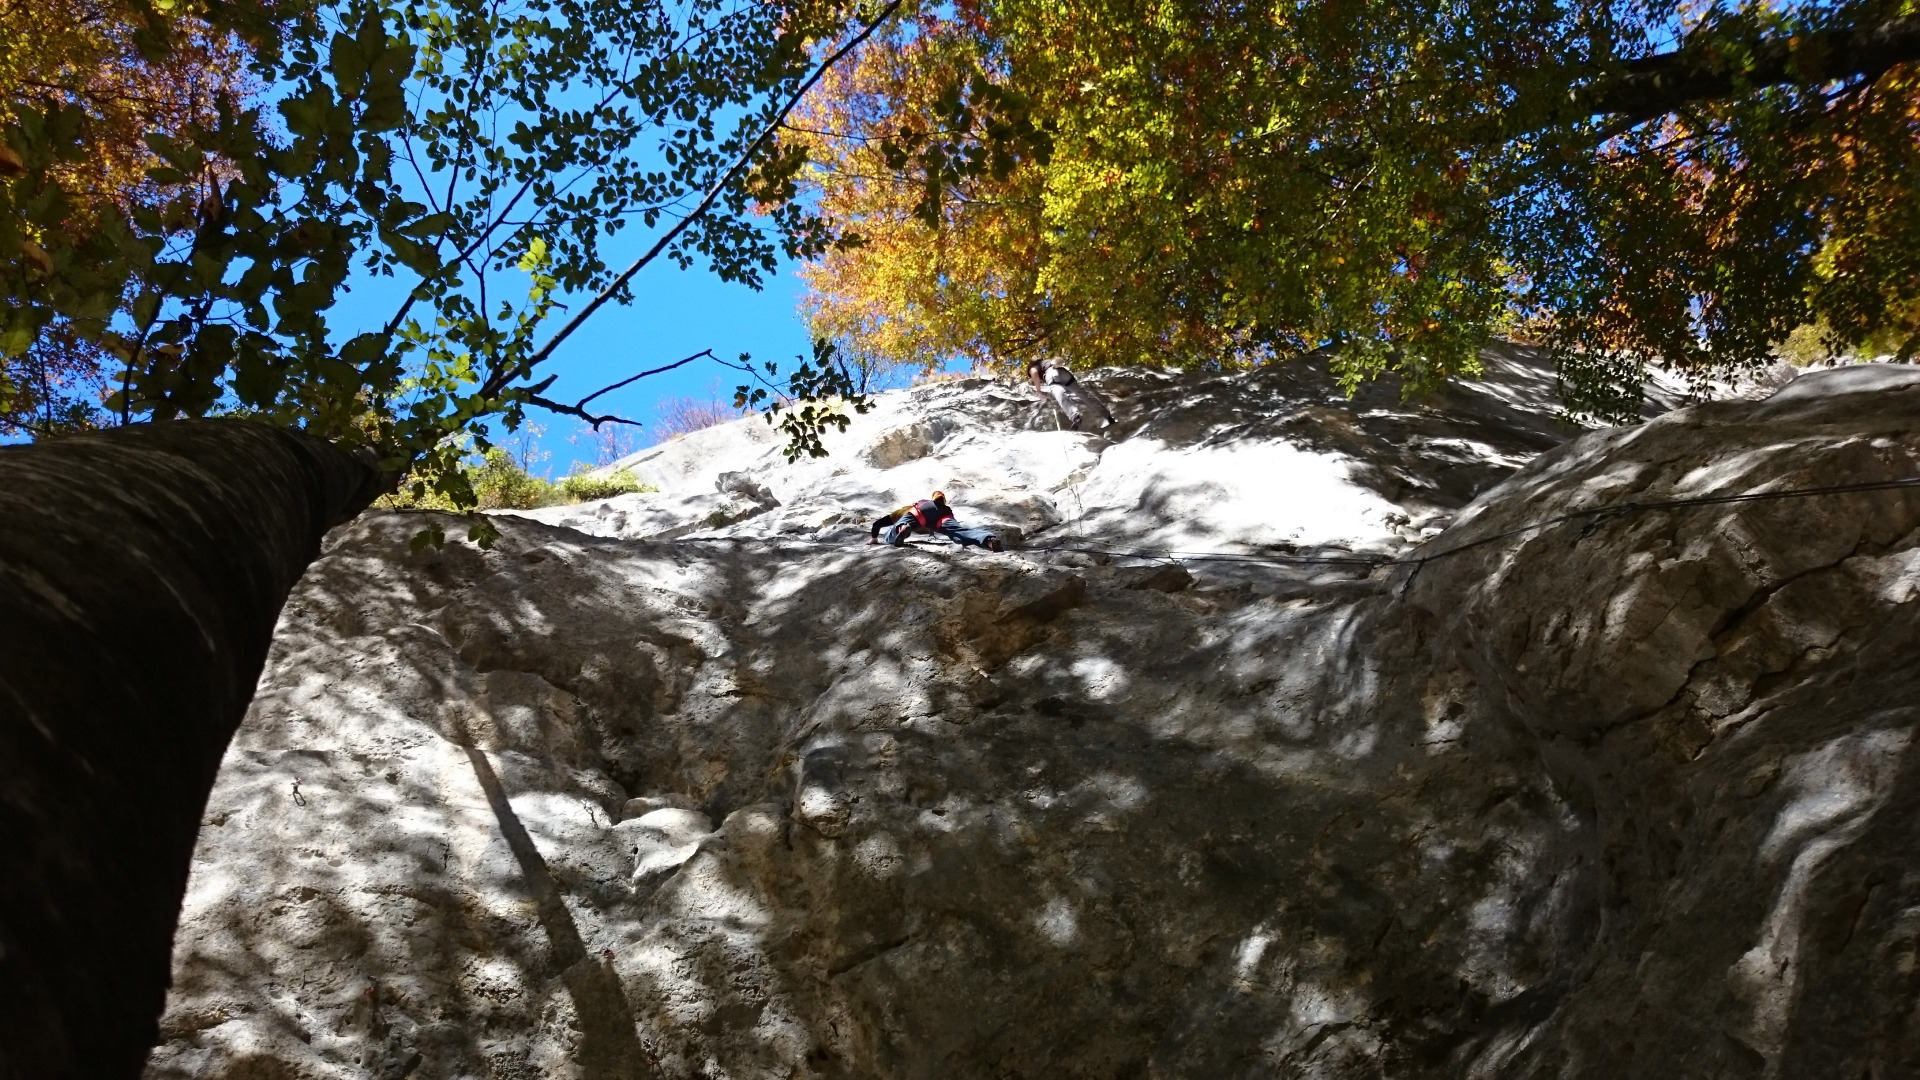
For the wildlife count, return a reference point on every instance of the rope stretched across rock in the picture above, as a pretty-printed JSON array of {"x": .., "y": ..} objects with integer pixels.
[{"x": 1596, "y": 513}]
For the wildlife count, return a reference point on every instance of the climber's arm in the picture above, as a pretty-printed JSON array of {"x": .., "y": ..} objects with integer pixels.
[{"x": 883, "y": 521}]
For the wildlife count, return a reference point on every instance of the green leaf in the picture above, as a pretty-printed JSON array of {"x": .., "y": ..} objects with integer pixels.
[
  {"x": 536, "y": 256},
  {"x": 16, "y": 339},
  {"x": 483, "y": 532}
]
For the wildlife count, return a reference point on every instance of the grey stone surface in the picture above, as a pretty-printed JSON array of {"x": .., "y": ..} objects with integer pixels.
[
  {"x": 1251, "y": 461},
  {"x": 1626, "y": 795}
]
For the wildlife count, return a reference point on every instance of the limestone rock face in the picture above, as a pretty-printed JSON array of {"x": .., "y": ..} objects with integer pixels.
[
  {"x": 1622, "y": 794},
  {"x": 1274, "y": 459}
]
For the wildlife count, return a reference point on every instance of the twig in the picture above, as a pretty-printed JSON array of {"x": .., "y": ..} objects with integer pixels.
[
  {"x": 708, "y": 353},
  {"x": 579, "y": 408},
  {"x": 753, "y": 373}
]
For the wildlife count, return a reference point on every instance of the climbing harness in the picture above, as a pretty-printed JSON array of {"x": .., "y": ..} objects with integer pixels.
[{"x": 928, "y": 514}]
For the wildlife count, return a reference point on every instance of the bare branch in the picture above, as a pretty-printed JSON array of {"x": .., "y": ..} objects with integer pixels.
[
  {"x": 708, "y": 353},
  {"x": 579, "y": 408},
  {"x": 575, "y": 410}
]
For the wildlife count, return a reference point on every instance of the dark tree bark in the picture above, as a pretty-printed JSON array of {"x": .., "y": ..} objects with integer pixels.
[
  {"x": 141, "y": 574},
  {"x": 1654, "y": 86}
]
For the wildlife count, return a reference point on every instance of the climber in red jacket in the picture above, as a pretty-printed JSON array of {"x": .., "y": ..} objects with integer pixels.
[{"x": 929, "y": 516}]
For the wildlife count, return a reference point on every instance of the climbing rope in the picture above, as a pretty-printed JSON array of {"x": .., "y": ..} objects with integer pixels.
[
  {"x": 1594, "y": 514},
  {"x": 1066, "y": 463}
]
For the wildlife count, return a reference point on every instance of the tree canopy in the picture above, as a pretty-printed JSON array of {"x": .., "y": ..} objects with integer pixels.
[
  {"x": 127, "y": 69},
  {"x": 189, "y": 188},
  {"x": 482, "y": 156},
  {"x": 1196, "y": 182}
]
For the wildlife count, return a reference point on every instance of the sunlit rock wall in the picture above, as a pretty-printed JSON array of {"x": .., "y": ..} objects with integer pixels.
[
  {"x": 1278, "y": 458},
  {"x": 1632, "y": 795}
]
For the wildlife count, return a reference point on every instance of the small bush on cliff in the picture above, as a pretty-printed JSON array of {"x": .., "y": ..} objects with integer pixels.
[
  {"x": 502, "y": 482},
  {"x": 583, "y": 486}
]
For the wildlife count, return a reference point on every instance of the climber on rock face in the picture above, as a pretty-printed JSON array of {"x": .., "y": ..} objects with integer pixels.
[
  {"x": 1070, "y": 394},
  {"x": 929, "y": 516}
]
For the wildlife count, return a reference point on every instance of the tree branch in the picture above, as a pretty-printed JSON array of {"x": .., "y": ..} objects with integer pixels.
[
  {"x": 1653, "y": 86},
  {"x": 575, "y": 410}
]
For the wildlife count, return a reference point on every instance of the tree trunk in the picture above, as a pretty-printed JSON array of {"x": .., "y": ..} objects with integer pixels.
[{"x": 141, "y": 574}]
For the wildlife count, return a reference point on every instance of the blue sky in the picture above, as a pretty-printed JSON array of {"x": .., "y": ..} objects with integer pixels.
[{"x": 675, "y": 313}]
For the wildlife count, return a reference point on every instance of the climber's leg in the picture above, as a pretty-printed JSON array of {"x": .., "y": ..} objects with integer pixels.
[
  {"x": 967, "y": 537},
  {"x": 1062, "y": 396},
  {"x": 1085, "y": 396},
  {"x": 898, "y": 532}
]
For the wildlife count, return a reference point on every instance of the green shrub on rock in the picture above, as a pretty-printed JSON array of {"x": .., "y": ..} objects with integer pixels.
[
  {"x": 502, "y": 482},
  {"x": 584, "y": 486}
]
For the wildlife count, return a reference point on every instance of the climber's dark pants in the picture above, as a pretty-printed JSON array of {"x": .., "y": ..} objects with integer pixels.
[{"x": 898, "y": 532}]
